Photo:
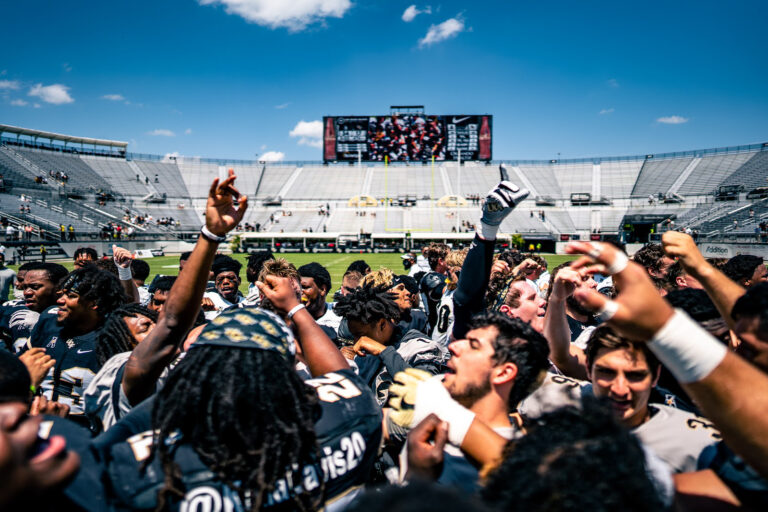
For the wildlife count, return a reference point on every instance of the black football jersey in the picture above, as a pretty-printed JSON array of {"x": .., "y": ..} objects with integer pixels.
[
  {"x": 348, "y": 433},
  {"x": 16, "y": 324},
  {"x": 76, "y": 361}
]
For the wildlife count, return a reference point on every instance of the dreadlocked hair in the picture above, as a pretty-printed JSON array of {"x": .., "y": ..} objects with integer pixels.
[
  {"x": 248, "y": 416},
  {"x": 114, "y": 337},
  {"x": 368, "y": 305},
  {"x": 97, "y": 285}
]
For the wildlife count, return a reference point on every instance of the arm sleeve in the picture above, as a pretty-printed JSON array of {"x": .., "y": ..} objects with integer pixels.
[
  {"x": 475, "y": 274},
  {"x": 393, "y": 361}
]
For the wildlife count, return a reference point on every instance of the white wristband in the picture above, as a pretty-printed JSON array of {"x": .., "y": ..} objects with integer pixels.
[
  {"x": 619, "y": 263},
  {"x": 124, "y": 274},
  {"x": 486, "y": 231},
  {"x": 432, "y": 397},
  {"x": 686, "y": 349},
  {"x": 212, "y": 237},
  {"x": 295, "y": 309}
]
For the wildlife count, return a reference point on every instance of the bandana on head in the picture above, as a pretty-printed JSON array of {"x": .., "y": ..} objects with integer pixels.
[
  {"x": 501, "y": 297},
  {"x": 251, "y": 328}
]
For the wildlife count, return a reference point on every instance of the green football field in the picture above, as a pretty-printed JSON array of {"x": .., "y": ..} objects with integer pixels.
[{"x": 335, "y": 263}]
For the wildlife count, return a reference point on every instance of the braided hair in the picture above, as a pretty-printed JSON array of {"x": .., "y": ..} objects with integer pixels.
[
  {"x": 248, "y": 416},
  {"x": 114, "y": 337},
  {"x": 368, "y": 305}
]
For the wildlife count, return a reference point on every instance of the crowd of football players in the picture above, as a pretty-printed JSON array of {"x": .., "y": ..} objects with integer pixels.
[{"x": 473, "y": 380}]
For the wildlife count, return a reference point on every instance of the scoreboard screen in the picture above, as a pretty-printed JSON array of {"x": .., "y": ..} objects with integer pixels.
[{"x": 407, "y": 138}]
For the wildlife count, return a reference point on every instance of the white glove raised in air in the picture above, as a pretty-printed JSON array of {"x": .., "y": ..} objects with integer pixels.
[{"x": 499, "y": 202}]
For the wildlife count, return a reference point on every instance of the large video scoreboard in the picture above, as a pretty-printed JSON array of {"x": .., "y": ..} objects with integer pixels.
[{"x": 407, "y": 138}]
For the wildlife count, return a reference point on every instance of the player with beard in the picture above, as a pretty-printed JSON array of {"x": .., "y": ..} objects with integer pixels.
[
  {"x": 500, "y": 362},
  {"x": 68, "y": 334}
]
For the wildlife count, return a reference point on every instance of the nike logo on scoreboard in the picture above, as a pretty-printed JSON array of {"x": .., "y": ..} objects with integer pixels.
[{"x": 459, "y": 120}]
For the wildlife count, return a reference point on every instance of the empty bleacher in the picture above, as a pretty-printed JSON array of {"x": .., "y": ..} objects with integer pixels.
[
  {"x": 618, "y": 178},
  {"x": 542, "y": 178},
  {"x": 415, "y": 181},
  {"x": 475, "y": 179},
  {"x": 14, "y": 171},
  {"x": 81, "y": 176},
  {"x": 165, "y": 178},
  {"x": 657, "y": 176},
  {"x": 119, "y": 174},
  {"x": 573, "y": 178},
  {"x": 753, "y": 174},
  {"x": 326, "y": 182},
  {"x": 710, "y": 172}
]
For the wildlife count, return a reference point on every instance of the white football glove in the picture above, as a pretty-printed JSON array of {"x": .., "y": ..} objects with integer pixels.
[{"x": 500, "y": 201}]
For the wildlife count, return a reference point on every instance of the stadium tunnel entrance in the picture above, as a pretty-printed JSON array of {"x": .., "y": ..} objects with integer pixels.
[{"x": 638, "y": 227}]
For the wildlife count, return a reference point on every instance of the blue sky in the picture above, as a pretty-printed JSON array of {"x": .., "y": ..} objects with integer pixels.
[{"x": 232, "y": 78}]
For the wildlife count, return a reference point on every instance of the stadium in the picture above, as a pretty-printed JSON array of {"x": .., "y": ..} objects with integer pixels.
[
  {"x": 95, "y": 184},
  {"x": 359, "y": 256}
]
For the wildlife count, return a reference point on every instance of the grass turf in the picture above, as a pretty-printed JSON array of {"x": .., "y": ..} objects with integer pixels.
[{"x": 335, "y": 263}]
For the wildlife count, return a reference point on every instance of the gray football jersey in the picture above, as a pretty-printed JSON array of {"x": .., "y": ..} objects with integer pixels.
[
  {"x": 99, "y": 398},
  {"x": 555, "y": 391},
  {"x": 679, "y": 438}
]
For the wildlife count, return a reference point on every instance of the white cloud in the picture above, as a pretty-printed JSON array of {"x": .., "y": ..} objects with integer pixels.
[
  {"x": 310, "y": 133},
  {"x": 445, "y": 30},
  {"x": 672, "y": 120},
  {"x": 188, "y": 131},
  {"x": 113, "y": 97},
  {"x": 312, "y": 129},
  {"x": 295, "y": 15},
  {"x": 9, "y": 84},
  {"x": 263, "y": 147},
  {"x": 607, "y": 111},
  {"x": 67, "y": 67},
  {"x": 272, "y": 156},
  {"x": 412, "y": 11},
  {"x": 161, "y": 132},
  {"x": 56, "y": 94},
  {"x": 36, "y": 105},
  {"x": 282, "y": 106},
  {"x": 613, "y": 82},
  {"x": 19, "y": 103}
]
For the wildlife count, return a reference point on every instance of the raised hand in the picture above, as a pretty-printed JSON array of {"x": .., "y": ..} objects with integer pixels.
[
  {"x": 123, "y": 257},
  {"x": 280, "y": 291},
  {"x": 226, "y": 206},
  {"x": 640, "y": 312},
  {"x": 681, "y": 246},
  {"x": 500, "y": 202}
]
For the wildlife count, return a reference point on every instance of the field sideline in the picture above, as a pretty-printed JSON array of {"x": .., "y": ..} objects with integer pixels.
[{"x": 335, "y": 263}]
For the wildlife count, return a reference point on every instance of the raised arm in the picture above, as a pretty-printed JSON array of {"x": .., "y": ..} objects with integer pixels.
[
  {"x": 729, "y": 390},
  {"x": 123, "y": 259},
  {"x": 320, "y": 353},
  {"x": 223, "y": 213},
  {"x": 568, "y": 358},
  {"x": 723, "y": 292},
  {"x": 476, "y": 271}
]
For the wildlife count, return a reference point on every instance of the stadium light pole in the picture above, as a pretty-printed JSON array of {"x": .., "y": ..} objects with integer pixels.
[{"x": 458, "y": 189}]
